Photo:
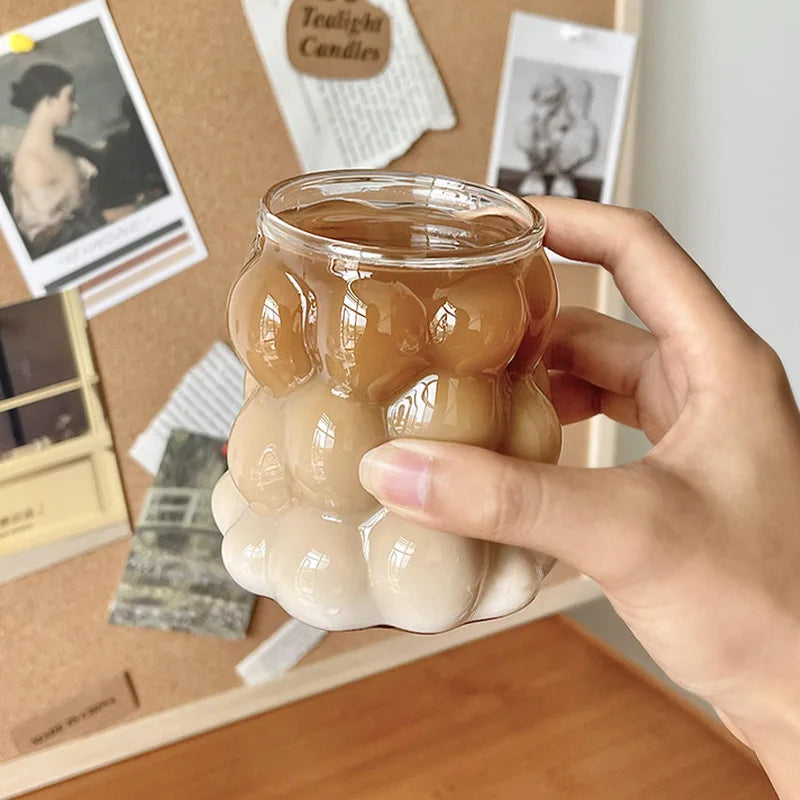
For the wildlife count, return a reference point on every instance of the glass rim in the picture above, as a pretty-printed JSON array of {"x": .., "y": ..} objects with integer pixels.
[{"x": 530, "y": 237}]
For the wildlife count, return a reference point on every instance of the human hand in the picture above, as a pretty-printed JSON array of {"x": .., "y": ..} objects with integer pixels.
[{"x": 696, "y": 545}]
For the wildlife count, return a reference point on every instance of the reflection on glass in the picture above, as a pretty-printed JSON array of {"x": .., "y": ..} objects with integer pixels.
[
  {"x": 352, "y": 325},
  {"x": 413, "y": 412},
  {"x": 270, "y": 329},
  {"x": 322, "y": 440},
  {"x": 444, "y": 322},
  {"x": 268, "y": 474},
  {"x": 308, "y": 572},
  {"x": 35, "y": 347},
  {"x": 399, "y": 558},
  {"x": 255, "y": 552},
  {"x": 44, "y": 422}
]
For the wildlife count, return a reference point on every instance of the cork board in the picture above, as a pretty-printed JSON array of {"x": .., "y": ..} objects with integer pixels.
[{"x": 207, "y": 90}]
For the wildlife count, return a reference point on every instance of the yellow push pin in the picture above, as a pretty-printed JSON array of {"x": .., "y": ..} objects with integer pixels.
[{"x": 20, "y": 43}]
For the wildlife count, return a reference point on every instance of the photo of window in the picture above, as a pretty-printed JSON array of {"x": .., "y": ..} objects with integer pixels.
[
  {"x": 36, "y": 357},
  {"x": 60, "y": 487}
]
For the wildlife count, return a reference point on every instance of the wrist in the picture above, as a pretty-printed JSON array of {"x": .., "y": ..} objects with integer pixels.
[
  {"x": 777, "y": 751},
  {"x": 771, "y": 728}
]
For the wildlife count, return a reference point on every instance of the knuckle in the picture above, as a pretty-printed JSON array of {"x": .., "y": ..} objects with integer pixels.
[
  {"x": 560, "y": 353},
  {"x": 767, "y": 355},
  {"x": 654, "y": 493},
  {"x": 575, "y": 318},
  {"x": 645, "y": 220},
  {"x": 508, "y": 502},
  {"x": 569, "y": 324},
  {"x": 635, "y": 224},
  {"x": 766, "y": 359}
]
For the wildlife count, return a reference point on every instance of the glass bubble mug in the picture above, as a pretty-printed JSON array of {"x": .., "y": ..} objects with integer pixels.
[{"x": 373, "y": 306}]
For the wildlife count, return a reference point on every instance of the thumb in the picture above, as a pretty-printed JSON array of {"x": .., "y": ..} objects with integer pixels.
[{"x": 597, "y": 520}]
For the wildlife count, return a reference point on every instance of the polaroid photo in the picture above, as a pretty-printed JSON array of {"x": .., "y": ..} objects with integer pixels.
[
  {"x": 561, "y": 111},
  {"x": 89, "y": 197}
]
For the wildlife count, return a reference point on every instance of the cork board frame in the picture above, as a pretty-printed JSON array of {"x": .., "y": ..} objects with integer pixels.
[{"x": 227, "y": 142}]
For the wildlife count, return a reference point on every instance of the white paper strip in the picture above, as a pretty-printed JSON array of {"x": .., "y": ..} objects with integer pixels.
[
  {"x": 206, "y": 401},
  {"x": 283, "y": 650},
  {"x": 339, "y": 124}
]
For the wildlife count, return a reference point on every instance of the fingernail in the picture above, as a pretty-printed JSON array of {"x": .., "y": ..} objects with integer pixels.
[{"x": 397, "y": 475}]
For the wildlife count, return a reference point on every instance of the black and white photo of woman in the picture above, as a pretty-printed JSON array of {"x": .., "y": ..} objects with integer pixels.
[
  {"x": 50, "y": 195},
  {"x": 59, "y": 188},
  {"x": 88, "y": 195}
]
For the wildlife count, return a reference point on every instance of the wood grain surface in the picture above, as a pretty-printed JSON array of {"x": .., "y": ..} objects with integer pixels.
[{"x": 536, "y": 712}]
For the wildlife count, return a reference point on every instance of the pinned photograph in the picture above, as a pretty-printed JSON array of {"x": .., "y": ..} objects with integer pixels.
[
  {"x": 89, "y": 196},
  {"x": 561, "y": 111},
  {"x": 60, "y": 487},
  {"x": 174, "y": 578}
]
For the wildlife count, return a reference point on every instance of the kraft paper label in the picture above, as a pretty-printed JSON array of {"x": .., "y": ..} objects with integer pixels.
[
  {"x": 338, "y": 38},
  {"x": 88, "y": 712}
]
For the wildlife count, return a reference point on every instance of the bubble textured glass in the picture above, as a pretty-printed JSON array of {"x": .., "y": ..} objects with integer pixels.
[{"x": 373, "y": 306}]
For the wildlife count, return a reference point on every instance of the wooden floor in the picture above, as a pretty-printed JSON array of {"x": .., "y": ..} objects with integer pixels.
[{"x": 536, "y": 712}]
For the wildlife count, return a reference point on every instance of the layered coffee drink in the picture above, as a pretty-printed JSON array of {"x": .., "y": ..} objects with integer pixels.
[{"x": 377, "y": 306}]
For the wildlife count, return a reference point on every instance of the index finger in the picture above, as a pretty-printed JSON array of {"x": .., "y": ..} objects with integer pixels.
[{"x": 658, "y": 279}]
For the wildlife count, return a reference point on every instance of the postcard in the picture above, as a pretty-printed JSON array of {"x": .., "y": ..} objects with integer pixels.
[
  {"x": 89, "y": 196},
  {"x": 174, "y": 578},
  {"x": 561, "y": 110}
]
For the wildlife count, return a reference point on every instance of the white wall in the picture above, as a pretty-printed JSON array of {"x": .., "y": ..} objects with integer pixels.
[
  {"x": 718, "y": 160},
  {"x": 718, "y": 150}
]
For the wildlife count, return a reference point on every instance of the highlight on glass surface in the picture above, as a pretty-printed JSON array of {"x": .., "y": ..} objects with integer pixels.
[{"x": 373, "y": 306}]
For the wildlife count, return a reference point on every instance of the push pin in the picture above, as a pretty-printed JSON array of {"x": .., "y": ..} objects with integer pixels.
[{"x": 20, "y": 43}]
